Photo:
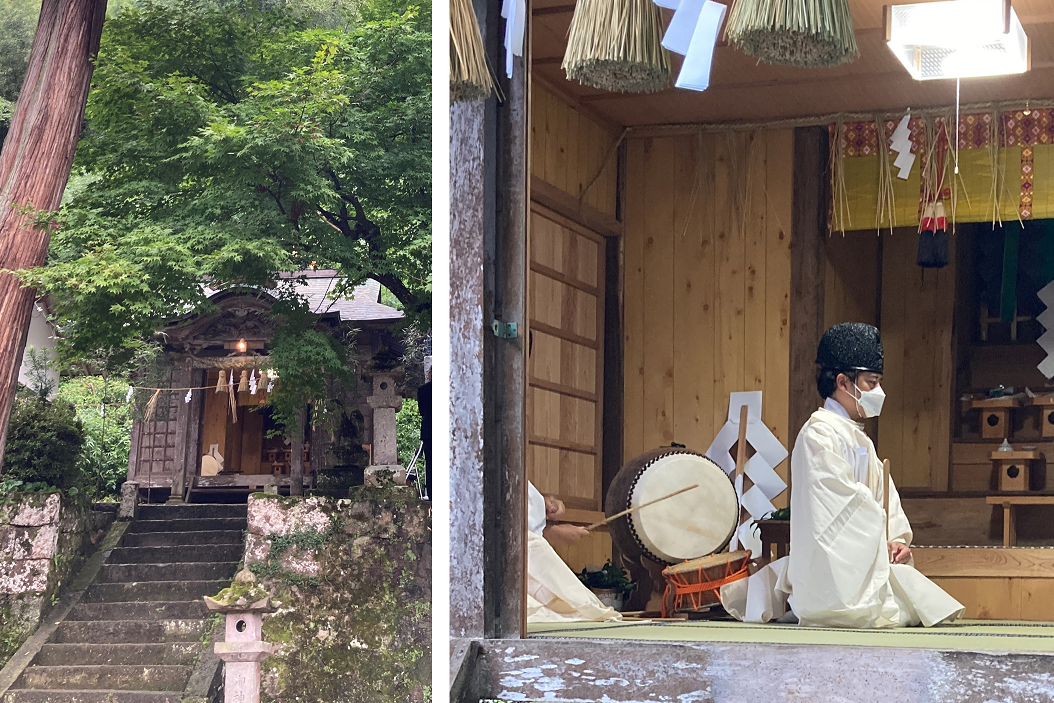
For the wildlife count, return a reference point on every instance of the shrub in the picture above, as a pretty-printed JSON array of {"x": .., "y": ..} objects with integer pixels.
[
  {"x": 44, "y": 443},
  {"x": 408, "y": 432},
  {"x": 107, "y": 433}
]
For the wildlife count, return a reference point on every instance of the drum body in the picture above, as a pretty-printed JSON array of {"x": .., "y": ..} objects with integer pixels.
[
  {"x": 693, "y": 524},
  {"x": 694, "y": 585}
]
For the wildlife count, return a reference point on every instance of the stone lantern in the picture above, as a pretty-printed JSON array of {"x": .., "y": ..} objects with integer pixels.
[
  {"x": 243, "y": 648},
  {"x": 385, "y": 402}
]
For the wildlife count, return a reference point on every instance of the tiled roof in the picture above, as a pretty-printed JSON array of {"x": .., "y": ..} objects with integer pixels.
[{"x": 363, "y": 306}]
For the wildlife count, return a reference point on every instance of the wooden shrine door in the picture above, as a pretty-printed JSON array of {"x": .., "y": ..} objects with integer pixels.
[{"x": 565, "y": 369}]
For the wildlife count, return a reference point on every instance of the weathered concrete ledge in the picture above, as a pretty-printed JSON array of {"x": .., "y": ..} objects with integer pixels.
[{"x": 629, "y": 671}]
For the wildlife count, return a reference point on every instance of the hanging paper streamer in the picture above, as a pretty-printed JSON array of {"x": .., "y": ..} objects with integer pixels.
[
  {"x": 189, "y": 396},
  {"x": 102, "y": 410},
  {"x": 252, "y": 383},
  {"x": 901, "y": 144},
  {"x": 515, "y": 14},
  {"x": 699, "y": 53},
  {"x": 1046, "y": 318},
  {"x": 128, "y": 398},
  {"x": 761, "y": 468}
]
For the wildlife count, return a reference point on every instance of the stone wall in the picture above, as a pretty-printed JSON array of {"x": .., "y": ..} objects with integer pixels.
[
  {"x": 351, "y": 581},
  {"x": 42, "y": 544}
]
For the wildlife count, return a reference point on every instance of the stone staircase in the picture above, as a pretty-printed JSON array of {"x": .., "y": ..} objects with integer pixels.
[{"x": 141, "y": 625}]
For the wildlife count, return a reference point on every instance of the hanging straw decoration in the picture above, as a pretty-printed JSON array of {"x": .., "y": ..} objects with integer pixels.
[
  {"x": 887, "y": 204},
  {"x": 616, "y": 45},
  {"x": 243, "y": 382},
  {"x": 840, "y": 215},
  {"x": 234, "y": 400},
  {"x": 151, "y": 406},
  {"x": 469, "y": 76},
  {"x": 801, "y": 33},
  {"x": 221, "y": 383}
]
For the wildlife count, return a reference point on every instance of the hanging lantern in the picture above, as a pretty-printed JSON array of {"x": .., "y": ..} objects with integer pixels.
[
  {"x": 616, "y": 45},
  {"x": 802, "y": 33}
]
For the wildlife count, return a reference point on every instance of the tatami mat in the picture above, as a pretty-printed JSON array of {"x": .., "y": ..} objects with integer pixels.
[{"x": 971, "y": 635}]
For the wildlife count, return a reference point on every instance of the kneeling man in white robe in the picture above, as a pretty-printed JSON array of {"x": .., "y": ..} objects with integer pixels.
[
  {"x": 843, "y": 570},
  {"x": 554, "y": 593}
]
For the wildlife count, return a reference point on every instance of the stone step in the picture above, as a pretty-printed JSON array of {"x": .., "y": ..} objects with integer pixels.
[
  {"x": 196, "y": 525},
  {"x": 168, "y": 555},
  {"x": 175, "y": 539},
  {"x": 192, "y": 512},
  {"x": 180, "y": 571},
  {"x": 123, "y": 677},
  {"x": 129, "y": 631},
  {"x": 152, "y": 591},
  {"x": 168, "y": 653},
  {"x": 148, "y": 610},
  {"x": 66, "y": 696}
]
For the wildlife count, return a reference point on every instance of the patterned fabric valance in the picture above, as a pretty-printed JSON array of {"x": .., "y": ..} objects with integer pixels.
[{"x": 1006, "y": 170}]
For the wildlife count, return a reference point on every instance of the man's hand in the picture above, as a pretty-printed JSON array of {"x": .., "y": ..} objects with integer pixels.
[
  {"x": 564, "y": 533},
  {"x": 899, "y": 553},
  {"x": 554, "y": 508}
]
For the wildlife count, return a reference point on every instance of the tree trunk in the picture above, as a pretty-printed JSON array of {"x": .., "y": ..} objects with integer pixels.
[
  {"x": 35, "y": 163},
  {"x": 296, "y": 464}
]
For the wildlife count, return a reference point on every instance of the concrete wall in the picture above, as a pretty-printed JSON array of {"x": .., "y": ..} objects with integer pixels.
[{"x": 351, "y": 580}]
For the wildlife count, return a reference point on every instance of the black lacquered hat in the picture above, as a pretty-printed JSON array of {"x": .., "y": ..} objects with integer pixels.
[{"x": 851, "y": 346}]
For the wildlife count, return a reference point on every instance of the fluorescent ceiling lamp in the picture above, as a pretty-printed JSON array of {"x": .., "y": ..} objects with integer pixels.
[{"x": 957, "y": 38}]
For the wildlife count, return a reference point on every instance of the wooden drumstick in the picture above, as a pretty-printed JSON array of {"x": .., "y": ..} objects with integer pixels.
[
  {"x": 885, "y": 493},
  {"x": 642, "y": 505},
  {"x": 741, "y": 459}
]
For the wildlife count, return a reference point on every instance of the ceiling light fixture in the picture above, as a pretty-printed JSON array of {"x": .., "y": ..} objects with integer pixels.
[{"x": 957, "y": 38}]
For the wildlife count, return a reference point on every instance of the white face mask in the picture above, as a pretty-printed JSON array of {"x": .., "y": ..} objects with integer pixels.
[{"x": 870, "y": 402}]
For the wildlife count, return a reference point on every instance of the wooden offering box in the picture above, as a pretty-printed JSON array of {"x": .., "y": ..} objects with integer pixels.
[
  {"x": 1014, "y": 469},
  {"x": 1045, "y": 403},
  {"x": 995, "y": 416}
]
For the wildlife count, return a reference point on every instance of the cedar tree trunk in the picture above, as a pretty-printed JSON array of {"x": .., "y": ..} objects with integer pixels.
[{"x": 35, "y": 163}]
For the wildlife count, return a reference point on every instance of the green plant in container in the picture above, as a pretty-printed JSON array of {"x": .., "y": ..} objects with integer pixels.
[{"x": 610, "y": 583}]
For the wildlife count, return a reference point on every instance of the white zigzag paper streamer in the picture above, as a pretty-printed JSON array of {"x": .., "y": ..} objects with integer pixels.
[
  {"x": 901, "y": 143},
  {"x": 761, "y": 468},
  {"x": 1046, "y": 318}
]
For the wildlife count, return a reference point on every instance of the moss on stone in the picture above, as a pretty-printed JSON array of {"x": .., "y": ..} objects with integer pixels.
[{"x": 363, "y": 631}]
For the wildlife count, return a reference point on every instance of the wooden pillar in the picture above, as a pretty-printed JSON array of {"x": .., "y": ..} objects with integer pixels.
[
  {"x": 505, "y": 359},
  {"x": 35, "y": 163},
  {"x": 181, "y": 378},
  {"x": 808, "y": 238},
  {"x": 296, "y": 463},
  {"x": 467, "y": 216}
]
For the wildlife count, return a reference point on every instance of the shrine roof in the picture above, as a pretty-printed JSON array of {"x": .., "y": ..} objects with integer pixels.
[{"x": 363, "y": 305}]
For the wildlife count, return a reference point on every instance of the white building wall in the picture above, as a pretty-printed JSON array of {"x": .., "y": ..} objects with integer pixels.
[{"x": 41, "y": 336}]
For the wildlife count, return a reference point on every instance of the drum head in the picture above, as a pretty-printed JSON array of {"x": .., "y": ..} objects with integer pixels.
[{"x": 690, "y": 525}]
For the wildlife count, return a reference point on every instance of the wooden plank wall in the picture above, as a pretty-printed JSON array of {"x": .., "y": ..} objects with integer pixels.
[
  {"x": 914, "y": 431},
  {"x": 707, "y": 267},
  {"x": 568, "y": 150},
  {"x": 851, "y": 284}
]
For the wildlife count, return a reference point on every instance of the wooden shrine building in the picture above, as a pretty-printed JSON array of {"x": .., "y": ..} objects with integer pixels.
[{"x": 201, "y": 445}]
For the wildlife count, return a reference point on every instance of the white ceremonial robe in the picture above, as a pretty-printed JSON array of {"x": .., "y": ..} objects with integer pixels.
[
  {"x": 554, "y": 592},
  {"x": 838, "y": 572}
]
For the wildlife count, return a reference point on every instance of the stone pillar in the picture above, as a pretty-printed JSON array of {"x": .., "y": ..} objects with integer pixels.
[
  {"x": 129, "y": 508},
  {"x": 385, "y": 403}
]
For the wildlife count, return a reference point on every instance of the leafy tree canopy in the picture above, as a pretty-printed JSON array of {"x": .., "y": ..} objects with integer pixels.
[{"x": 230, "y": 142}]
